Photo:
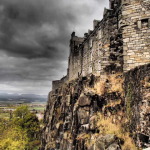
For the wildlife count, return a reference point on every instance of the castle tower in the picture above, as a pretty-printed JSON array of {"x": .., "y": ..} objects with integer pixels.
[
  {"x": 114, "y": 3},
  {"x": 135, "y": 22},
  {"x": 74, "y": 64}
]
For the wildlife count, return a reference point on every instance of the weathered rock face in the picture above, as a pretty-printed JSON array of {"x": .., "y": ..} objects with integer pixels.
[
  {"x": 137, "y": 91},
  {"x": 109, "y": 112}
]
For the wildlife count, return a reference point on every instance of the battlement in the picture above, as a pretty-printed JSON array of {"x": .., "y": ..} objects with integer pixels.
[{"x": 117, "y": 43}]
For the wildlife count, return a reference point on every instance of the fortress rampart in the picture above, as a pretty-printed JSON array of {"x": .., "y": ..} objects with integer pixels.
[{"x": 117, "y": 43}]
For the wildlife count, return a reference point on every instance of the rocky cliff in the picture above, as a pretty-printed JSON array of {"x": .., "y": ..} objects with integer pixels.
[{"x": 109, "y": 112}]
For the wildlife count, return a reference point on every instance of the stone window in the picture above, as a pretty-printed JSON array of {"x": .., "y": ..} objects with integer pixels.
[
  {"x": 91, "y": 43},
  {"x": 99, "y": 34},
  {"x": 91, "y": 55},
  {"x": 90, "y": 69},
  {"x": 144, "y": 23}
]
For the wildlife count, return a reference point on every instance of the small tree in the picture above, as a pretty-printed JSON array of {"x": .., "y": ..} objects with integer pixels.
[
  {"x": 27, "y": 121},
  {"x": 13, "y": 139},
  {"x": 21, "y": 112}
]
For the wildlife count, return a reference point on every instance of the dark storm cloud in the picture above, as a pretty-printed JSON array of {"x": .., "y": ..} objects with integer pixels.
[
  {"x": 34, "y": 39},
  {"x": 32, "y": 16}
]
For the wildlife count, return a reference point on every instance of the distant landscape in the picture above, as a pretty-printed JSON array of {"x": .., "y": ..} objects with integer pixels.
[
  {"x": 21, "y": 118},
  {"x": 21, "y": 98},
  {"x": 9, "y": 103}
]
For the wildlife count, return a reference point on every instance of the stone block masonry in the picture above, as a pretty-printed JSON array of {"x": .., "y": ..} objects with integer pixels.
[
  {"x": 136, "y": 33},
  {"x": 121, "y": 40}
]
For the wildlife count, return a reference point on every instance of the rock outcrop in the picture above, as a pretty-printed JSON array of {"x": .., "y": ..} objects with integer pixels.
[{"x": 110, "y": 112}]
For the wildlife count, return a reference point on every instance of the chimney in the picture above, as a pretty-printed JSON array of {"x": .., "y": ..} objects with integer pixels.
[
  {"x": 85, "y": 35},
  {"x": 95, "y": 23},
  {"x": 73, "y": 34},
  {"x": 111, "y": 4},
  {"x": 89, "y": 32}
]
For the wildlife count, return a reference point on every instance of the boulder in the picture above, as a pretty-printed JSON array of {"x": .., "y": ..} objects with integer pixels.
[
  {"x": 83, "y": 115},
  {"x": 109, "y": 139},
  {"x": 107, "y": 142},
  {"x": 84, "y": 100},
  {"x": 114, "y": 146},
  {"x": 92, "y": 122}
]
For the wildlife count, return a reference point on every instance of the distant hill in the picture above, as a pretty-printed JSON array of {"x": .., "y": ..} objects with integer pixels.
[{"x": 19, "y": 98}]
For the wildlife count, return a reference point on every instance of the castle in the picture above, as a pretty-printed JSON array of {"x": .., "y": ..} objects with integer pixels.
[
  {"x": 105, "y": 101},
  {"x": 117, "y": 43}
]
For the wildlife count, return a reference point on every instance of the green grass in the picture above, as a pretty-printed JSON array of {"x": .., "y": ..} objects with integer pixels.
[
  {"x": 38, "y": 108},
  {"x": 4, "y": 115}
]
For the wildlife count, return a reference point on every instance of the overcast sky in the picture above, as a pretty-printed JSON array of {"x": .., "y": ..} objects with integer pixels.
[{"x": 34, "y": 40}]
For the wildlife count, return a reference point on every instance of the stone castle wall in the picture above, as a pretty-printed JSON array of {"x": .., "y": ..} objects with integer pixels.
[
  {"x": 136, "y": 33},
  {"x": 119, "y": 42},
  {"x": 58, "y": 83}
]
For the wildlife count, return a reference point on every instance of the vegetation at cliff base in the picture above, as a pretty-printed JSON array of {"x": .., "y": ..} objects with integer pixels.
[{"x": 21, "y": 131}]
